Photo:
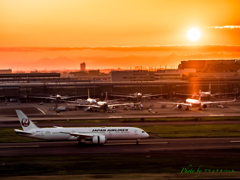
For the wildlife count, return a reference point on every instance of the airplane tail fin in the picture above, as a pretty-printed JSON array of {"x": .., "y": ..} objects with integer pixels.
[
  {"x": 25, "y": 122},
  {"x": 88, "y": 94},
  {"x": 200, "y": 95},
  {"x": 106, "y": 97}
]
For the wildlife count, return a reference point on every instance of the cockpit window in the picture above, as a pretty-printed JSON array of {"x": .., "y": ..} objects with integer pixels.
[{"x": 143, "y": 132}]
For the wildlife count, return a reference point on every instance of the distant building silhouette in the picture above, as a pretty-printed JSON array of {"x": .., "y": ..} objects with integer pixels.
[
  {"x": 83, "y": 66},
  {"x": 5, "y": 71},
  {"x": 211, "y": 66}
]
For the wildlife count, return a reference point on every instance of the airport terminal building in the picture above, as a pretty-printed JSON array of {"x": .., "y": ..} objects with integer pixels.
[{"x": 191, "y": 76}]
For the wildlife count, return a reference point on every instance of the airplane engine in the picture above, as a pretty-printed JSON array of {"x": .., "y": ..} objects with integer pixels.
[
  {"x": 204, "y": 106},
  {"x": 99, "y": 139},
  {"x": 179, "y": 106},
  {"x": 104, "y": 107}
]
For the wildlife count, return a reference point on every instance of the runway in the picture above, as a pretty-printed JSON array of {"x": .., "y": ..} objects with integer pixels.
[{"x": 230, "y": 146}]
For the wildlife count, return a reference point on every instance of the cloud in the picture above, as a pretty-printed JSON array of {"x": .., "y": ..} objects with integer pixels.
[
  {"x": 225, "y": 27},
  {"x": 190, "y": 48}
]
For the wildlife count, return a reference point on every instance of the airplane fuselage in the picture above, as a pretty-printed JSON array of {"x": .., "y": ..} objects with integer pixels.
[
  {"x": 193, "y": 101},
  {"x": 110, "y": 133},
  {"x": 91, "y": 101}
]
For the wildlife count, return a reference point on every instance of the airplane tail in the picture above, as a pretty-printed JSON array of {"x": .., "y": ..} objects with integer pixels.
[
  {"x": 25, "y": 122},
  {"x": 88, "y": 94},
  {"x": 200, "y": 95},
  {"x": 106, "y": 97}
]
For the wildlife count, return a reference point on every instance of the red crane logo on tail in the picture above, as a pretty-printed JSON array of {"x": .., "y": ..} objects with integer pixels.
[{"x": 25, "y": 122}]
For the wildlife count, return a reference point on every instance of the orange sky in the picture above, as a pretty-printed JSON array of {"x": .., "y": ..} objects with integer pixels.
[{"x": 114, "y": 23}]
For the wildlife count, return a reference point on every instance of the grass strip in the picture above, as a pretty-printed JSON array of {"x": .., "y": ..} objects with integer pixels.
[
  {"x": 170, "y": 119},
  {"x": 69, "y": 165},
  {"x": 76, "y": 121},
  {"x": 215, "y": 130}
]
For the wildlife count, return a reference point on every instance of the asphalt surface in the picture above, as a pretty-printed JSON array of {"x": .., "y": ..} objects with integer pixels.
[
  {"x": 197, "y": 147},
  {"x": 42, "y": 112},
  {"x": 229, "y": 147}
]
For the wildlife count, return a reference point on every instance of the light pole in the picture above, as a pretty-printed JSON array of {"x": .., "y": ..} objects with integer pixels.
[
  {"x": 161, "y": 87},
  {"x": 226, "y": 96},
  {"x": 218, "y": 86},
  {"x": 94, "y": 87}
]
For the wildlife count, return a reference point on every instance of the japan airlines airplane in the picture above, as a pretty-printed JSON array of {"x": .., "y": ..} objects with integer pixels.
[
  {"x": 97, "y": 135},
  {"x": 194, "y": 103}
]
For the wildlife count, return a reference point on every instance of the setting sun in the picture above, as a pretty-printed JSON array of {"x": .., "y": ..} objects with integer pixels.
[{"x": 193, "y": 34}]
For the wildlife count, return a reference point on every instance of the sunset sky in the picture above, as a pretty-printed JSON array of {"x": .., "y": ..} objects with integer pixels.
[{"x": 53, "y": 34}]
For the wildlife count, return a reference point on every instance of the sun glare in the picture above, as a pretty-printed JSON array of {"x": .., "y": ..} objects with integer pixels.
[{"x": 193, "y": 34}]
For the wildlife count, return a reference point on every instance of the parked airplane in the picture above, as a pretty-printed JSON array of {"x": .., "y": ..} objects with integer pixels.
[
  {"x": 56, "y": 97},
  {"x": 206, "y": 93},
  {"x": 89, "y": 100},
  {"x": 96, "y": 105},
  {"x": 138, "y": 96},
  {"x": 96, "y": 135},
  {"x": 194, "y": 103}
]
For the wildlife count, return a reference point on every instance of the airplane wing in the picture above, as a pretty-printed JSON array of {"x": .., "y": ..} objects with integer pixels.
[
  {"x": 175, "y": 103},
  {"x": 69, "y": 97},
  {"x": 41, "y": 97},
  {"x": 123, "y": 96},
  {"x": 183, "y": 94},
  {"x": 21, "y": 132},
  {"x": 152, "y": 95},
  {"x": 66, "y": 97},
  {"x": 221, "y": 94},
  {"x": 85, "y": 105},
  {"x": 88, "y": 105},
  {"x": 78, "y": 134},
  {"x": 115, "y": 105},
  {"x": 217, "y": 102}
]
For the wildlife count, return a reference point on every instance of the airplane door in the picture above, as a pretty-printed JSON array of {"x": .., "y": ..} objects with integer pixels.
[
  {"x": 136, "y": 132},
  {"x": 39, "y": 134}
]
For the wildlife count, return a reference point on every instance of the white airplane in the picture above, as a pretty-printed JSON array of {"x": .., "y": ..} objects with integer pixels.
[
  {"x": 89, "y": 100},
  {"x": 197, "y": 103},
  {"x": 95, "y": 105},
  {"x": 96, "y": 135},
  {"x": 206, "y": 93},
  {"x": 138, "y": 96},
  {"x": 56, "y": 97}
]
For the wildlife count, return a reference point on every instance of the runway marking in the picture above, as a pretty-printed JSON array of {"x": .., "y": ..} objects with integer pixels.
[
  {"x": 41, "y": 110},
  {"x": 19, "y": 146},
  {"x": 235, "y": 141},
  {"x": 135, "y": 143},
  {"x": 216, "y": 114},
  {"x": 116, "y": 116},
  {"x": 234, "y": 108},
  {"x": 111, "y": 116}
]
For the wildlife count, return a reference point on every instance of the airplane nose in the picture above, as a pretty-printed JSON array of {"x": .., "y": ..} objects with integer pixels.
[{"x": 147, "y": 135}]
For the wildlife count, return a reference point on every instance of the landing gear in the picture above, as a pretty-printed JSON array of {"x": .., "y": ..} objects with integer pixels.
[
  {"x": 137, "y": 141},
  {"x": 81, "y": 143}
]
